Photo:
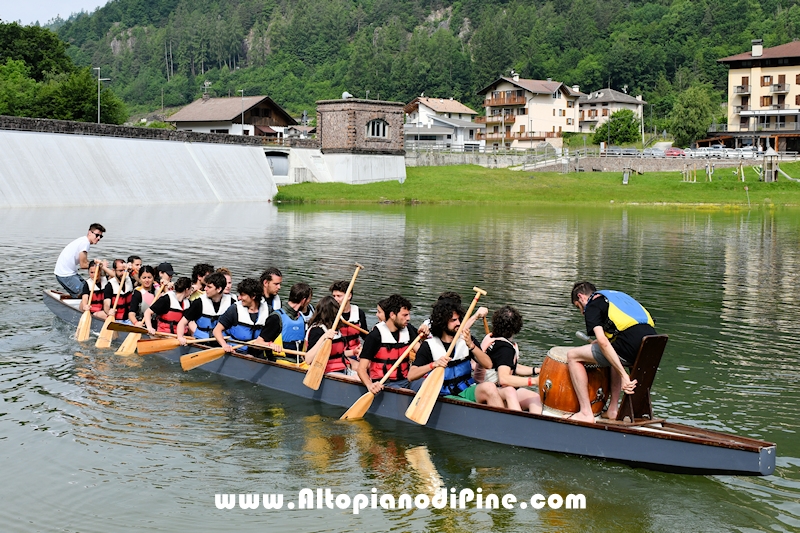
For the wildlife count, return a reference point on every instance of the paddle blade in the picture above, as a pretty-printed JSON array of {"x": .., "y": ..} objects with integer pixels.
[
  {"x": 359, "y": 408},
  {"x": 194, "y": 360},
  {"x": 317, "y": 369},
  {"x": 84, "y": 326},
  {"x": 128, "y": 346},
  {"x": 149, "y": 346},
  {"x": 104, "y": 339},
  {"x": 117, "y": 326},
  {"x": 421, "y": 406}
]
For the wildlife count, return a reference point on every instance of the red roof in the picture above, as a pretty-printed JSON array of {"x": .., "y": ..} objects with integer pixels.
[{"x": 791, "y": 49}]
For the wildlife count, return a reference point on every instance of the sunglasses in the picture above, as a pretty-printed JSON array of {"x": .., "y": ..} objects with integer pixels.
[{"x": 98, "y": 235}]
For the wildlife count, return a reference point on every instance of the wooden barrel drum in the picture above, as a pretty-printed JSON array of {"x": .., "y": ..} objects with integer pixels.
[{"x": 555, "y": 386}]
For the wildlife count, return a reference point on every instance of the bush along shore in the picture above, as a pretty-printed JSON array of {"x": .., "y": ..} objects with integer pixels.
[{"x": 478, "y": 185}]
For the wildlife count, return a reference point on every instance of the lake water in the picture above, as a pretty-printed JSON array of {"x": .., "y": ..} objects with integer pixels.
[{"x": 93, "y": 442}]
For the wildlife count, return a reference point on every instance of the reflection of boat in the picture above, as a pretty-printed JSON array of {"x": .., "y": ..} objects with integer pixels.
[{"x": 657, "y": 445}]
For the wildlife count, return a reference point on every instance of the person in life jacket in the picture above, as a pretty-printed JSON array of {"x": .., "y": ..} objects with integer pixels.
[
  {"x": 384, "y": 345},
  {"x": 96, "y": 305},
  {"x": 270, "y": 284},
  {"x": 321, "y": 328},
  {"x": 169, "y": 308},
  {"x": 203, "y": 314},
  {"x": 227, "y": 273},
  {"x": 143, "y": 296},
  {"x": 618, "y": 322},
  {"x": 244, "y": 320},
  {"x": 506, "y": 373},
  {"x": 165, "y": 274},
  {"x": 286, "y": 327},
  {"x": 445, "y": 320},
  {"x": 199, "y": 273},
  {"x": 110, "y": 292},
  {"x": 136, "y": 266},
  {"x": 352, "y": 336}
]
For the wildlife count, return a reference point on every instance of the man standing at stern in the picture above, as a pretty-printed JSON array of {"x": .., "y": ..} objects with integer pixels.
[{"x": 75, "y": 256}]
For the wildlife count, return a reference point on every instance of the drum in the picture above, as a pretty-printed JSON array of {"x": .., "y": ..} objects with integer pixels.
[{"x": 555, "y": 386}]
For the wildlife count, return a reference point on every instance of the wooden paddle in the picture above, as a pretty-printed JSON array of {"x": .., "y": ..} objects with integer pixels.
[
  {"x": 317, "y": 369},
  {"x": 196, "y": 359},
  {"x": 421, "y": 406},
  {"x": 486, "y": 326},
  {"x": 360, "y": 330},
  {"x": 104, "y": 339},
  {"x": 362, "y": 405},
  {"x": 85, "y": 323},
  {"x": 129, "y": 345},
  {"x": 148, "y": 346}
]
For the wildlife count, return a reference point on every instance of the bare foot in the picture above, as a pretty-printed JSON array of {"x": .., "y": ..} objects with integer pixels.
[
  {"x": 581, "y": 417},
  {"x": 609, "y": 414}
]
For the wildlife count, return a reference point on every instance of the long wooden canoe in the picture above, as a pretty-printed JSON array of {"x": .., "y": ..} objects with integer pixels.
[{"x": 663, "y": 446}]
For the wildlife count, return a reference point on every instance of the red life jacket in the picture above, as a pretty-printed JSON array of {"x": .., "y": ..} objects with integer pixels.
[
  {"x": 97, "y": 296},
  {"x": 336, "y": 361},
  {"x": 350, "y": 335},
  {"x": 389, "y": 352},
  {"x": 124, "y": 298},
  {"x": 168, "y": 322}
]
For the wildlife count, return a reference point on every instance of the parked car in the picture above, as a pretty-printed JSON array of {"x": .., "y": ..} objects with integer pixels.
[
  {"x": 631, "y": 152},
  {"x": 674, "y": 152},
  {"x": 653, "y": 152},
  {"x": 612, "y": 151}
]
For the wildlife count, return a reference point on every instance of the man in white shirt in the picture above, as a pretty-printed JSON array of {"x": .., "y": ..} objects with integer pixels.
[{"x": 75, "y": 256}]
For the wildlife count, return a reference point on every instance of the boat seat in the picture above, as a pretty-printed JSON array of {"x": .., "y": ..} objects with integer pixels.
[{"x": 637, "y": 406}]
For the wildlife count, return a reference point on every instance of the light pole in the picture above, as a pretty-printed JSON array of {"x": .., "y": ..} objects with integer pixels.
[
  {"x": 242, "y": 91},
  {"x": 99, "y": 79}
]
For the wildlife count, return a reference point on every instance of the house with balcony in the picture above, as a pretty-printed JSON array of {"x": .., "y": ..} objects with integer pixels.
[
  {"x": 441, "y": 123},
  {"x": 249, "y": 115},
  {"x": 763, "y": 98},
  {"x": 522, "y": 113},
  {"x": 597, "y": 107}
]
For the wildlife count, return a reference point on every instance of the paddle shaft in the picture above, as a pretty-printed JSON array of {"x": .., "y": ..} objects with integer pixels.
[
  {"x": 360, "y": 330},
  {"x": 478, "y": 292},
  {"x": 400, "y": 359},
  {"x": 486, "y": 326},
  {"x": 119, "y": 292},
  {"x": 346, "y": 297}
]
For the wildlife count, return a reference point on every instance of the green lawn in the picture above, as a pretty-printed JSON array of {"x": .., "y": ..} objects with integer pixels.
[{"x": 478, "y": 185}]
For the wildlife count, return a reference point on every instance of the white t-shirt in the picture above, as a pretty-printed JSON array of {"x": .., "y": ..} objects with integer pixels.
[{"x": 69, "y": 260}]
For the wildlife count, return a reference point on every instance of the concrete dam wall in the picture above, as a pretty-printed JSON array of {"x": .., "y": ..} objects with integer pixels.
[{"x": 39, "y": 169}]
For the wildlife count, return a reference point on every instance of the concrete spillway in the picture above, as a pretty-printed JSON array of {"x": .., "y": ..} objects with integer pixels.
[{"x": 50, "y": 169}]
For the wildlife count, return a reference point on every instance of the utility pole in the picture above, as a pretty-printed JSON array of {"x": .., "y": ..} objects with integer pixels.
[
  {"x": 99, "y": 79},
  {"x": 242, "y": 91}
]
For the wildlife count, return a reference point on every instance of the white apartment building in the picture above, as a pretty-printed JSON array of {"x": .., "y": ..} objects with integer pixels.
[
  {"x": 442, "y": 123},
  {"x": 597, "y": 106}
]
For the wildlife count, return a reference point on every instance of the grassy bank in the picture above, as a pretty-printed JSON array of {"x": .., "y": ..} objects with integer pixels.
[{"x": 474, "y": 184}]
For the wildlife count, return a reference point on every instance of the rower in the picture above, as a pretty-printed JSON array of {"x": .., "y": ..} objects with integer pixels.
[
  {"x": 320, "y": 328},
  {"x": 244, "y": 320},
  {"x": 136, "y": 265},
  {"x": 203, "y": 314},
  {"x": 287, "y": 327},
  {"x": 75, "y": 256},
  {"x": 618, "y": 322},
  {"x": 96, "y": 305},
  {"x": 199, "y": 273},
  {"x": 169, "y": 309},
  {"x": 112, "y": 289},
  {"x": 445, "y": 321},
  {"x": 227, "y": 273},
  {"x": 307, "y": 310},
  {"x": 352, "y": 336},
  {"x": 505, "y": 372},
  {"x": 384, "y": 345},
  {"x": 143, "y": 295},
  {"x": 271, "y": 283},
  {"x": 165, "y": 274}
]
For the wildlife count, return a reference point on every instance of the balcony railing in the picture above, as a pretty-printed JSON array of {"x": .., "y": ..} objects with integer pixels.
[
  {"x": 779, "y": 106},
  {"x": 753, "y": 127},
  {"x": 779, "y": 88},
  {"x": 497, "y": 119},
  {"x": 739, "y": 108},
  {"x": 519, "y": 136},
  {"x": 741, "y": 89},
  {"x": 504, "y": 100}
]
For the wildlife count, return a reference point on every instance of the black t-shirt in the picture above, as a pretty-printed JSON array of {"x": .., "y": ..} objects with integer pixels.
[
  {"x": 314, "y": 334},
  {"x": 272, "y": 327},
  {"x": 424, "y": 355},
  {"x": 160, "y": 306},
  {"x": 372, "y": 342},
  {"x": 502, "y": 353},
  {"x": 627, "y": 342}
]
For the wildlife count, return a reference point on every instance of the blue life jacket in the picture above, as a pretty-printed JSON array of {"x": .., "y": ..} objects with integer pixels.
[
  {"x": 245, "y": 329},
  {"x": 458, "y": 372},
  {"x": 292, "y": 330},
  {"x": 623, "y": 312},
  {"x": 208, "y": 320}
]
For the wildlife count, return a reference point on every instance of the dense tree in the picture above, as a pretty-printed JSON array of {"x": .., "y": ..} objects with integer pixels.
[
  {"x": 621, "y": 127},
  {"x": 41, "y": 49},
  {"x": 692, "y": 115}
]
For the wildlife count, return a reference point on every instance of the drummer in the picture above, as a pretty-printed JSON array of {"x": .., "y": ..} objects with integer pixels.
[{"x": 619, "y": 323}]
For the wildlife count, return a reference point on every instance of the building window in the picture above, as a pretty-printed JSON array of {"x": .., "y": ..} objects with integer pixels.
[
  {"x": 766, "y": 81},
  {"x": 766, "y": 101},
  {"x": 797, "y": 100},
  {"x": 471, "y": 134},
  {"x": 557, "y": 95},
  {"x": 219, "y": 131},
  {"x": 377, "y": 128},
  {"x": 605, "y": 112},
  {"x": 570, "y": 104},
  {"x": 569, "y": 122}
]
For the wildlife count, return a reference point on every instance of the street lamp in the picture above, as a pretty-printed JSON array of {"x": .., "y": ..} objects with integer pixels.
[
  {"x": 99, "y": 79},
  {"x": 242, "y": 91}
]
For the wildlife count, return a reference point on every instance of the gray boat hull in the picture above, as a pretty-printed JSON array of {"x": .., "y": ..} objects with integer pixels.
[{"x": 670, "y": 447}]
